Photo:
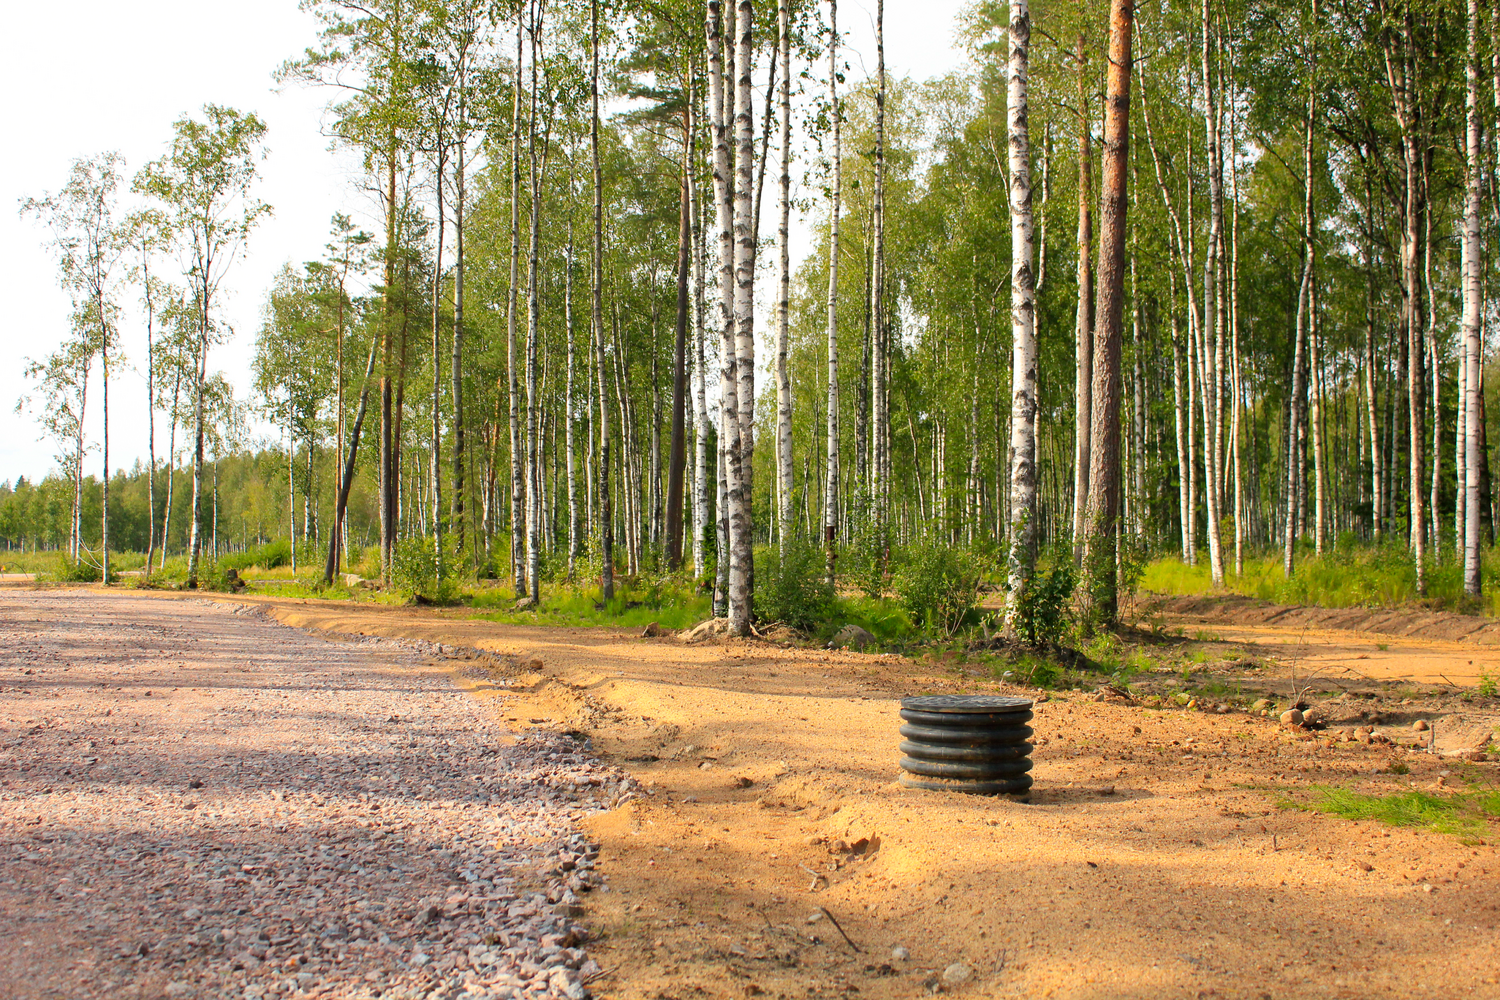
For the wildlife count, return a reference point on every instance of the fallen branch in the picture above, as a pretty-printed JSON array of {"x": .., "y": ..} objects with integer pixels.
[{"x": 834, "y": 921}]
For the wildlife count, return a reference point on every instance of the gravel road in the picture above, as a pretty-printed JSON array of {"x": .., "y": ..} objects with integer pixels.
[{"x": 196, "y": 801}]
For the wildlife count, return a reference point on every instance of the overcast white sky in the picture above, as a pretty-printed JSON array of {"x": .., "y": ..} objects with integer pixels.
[{"x": 93, "y": 76}]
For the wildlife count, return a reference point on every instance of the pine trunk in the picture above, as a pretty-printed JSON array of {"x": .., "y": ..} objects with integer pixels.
[{"x": 1100, "y": 583}]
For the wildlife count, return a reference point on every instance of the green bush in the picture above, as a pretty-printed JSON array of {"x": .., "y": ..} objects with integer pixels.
[
  {"x": 85, "y": 569},
  {"x": 791, "y": 587},
  {"x": 939, "y": 588},
  {"x": 1044, "y": 612},
  {"x": 271, "y": 555},
  {"x": 414, "y": 569}
]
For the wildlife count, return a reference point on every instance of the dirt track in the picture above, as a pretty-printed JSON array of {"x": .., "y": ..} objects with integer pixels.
[
  {"x": 1424, "y": 647},
  {"x": 1154, "y": 860},
  {"x": 198, "y": 802}
]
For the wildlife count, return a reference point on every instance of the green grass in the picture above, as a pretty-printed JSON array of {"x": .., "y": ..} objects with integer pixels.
[
  {"x": 1354, "y": 575},
  {"x": 1465, "y": 815},
  {"x": 632, "y": 607}
]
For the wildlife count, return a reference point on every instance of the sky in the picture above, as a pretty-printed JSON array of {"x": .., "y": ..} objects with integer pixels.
[{"x": 100, "y": 76}]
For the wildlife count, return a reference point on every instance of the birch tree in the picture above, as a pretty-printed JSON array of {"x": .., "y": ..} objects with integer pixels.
[
  {"x": 831, "y": 493},
  {"x": 204, "y": 184},
  {"x": 1021, "y": 562},
  {"x": 88, "y": 247},
  {"x": 1472, "y": 320}
]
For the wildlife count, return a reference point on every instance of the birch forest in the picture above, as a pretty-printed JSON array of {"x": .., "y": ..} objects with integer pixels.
[{"x": 692, "y": 295}]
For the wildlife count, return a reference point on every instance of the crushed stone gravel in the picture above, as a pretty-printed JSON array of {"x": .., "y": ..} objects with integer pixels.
[{"x": 199, "y": 802}]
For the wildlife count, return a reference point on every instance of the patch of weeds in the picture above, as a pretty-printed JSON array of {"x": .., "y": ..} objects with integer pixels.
[
  {"x": 1204, "y": 636},
  {"x": 1030, "y": 671},
  {"x": 1382, "y": 646},
  {"x": 1398, "y": 767},
  {"x": 1464, "y": 815},
  {"x": 1104, "y": 649},
  {"x": 1489, "y": 685}
]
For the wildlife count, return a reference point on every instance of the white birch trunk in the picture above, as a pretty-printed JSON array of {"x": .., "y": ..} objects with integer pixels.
[
  {"x": 783, "y": 306},
  {"x": 1022, "y": 558},
  {"x": 742, "y": 525},
  {"x": 831, "y": 488},
  {"x": 1473, "y": 267}
]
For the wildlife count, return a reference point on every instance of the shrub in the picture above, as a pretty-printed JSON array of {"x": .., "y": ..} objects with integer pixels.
[
  {"x": 82, "y": 570},
  {"x": 414, "y": 568},
  {"x": 1044, "y": 614},
  {"x": 791, "y": 587},
  {"x": 939, "y": 588},
  {"x": 271, "y": 555}
]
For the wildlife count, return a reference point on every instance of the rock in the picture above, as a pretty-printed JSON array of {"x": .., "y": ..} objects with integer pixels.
[
  {"x": 705, "y": 630},
  {"x": 1421, "y": 726},
  {"x": 957, "y": 974},
  {"x": 420, "y": 957},
  {"x": 815, "y": 916},
  {"x": 429, "y": 914},
  {"x": 1262, "y": 705},
  {"x": 1291, "y": 717},
  {"x": 851, "y": 637},
  {"x": 900, "y": 953},
  {"x": 654, "y": 631}
]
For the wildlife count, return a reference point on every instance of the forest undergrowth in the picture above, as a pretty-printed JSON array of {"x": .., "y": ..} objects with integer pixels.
[{"x": 1352, "y": 574}]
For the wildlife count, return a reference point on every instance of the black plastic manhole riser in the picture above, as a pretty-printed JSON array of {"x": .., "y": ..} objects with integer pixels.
[{"x": 973, "y": 743}]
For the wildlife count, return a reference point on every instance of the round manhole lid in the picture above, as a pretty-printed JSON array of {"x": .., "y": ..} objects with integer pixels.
[{"x": 962, "y": 703}]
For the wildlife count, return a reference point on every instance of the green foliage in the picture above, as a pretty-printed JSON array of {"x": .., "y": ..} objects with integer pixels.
[
  {"x": 1352, "y": 576},
  {"x": 271, "y": 555},
  {"x": 1044, "y": 613},
  {"x": 1489, "y": 684},
  {"x": 939, "y": 588},
  {"x": 791, "y": 586},
  {"x": 669, "y": 605},
  {"x": 1465, "y": 815},
  {"x": 414, "y": 570},
  {"x": 85, "y": 569}
]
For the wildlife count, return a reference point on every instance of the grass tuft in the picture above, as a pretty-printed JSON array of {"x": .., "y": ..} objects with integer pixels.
[{"x": 1465, "y": 815}]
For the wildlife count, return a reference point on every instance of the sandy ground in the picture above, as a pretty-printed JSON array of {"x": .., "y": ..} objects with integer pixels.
[
  {"x": 1424, "y": 647},
  {"x": 196, "y": 801},
  {"x": 775, "y": 855}
]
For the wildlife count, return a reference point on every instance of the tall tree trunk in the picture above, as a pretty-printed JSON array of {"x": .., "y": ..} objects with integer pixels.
[
  {"x": 1295, "y": 429},
  {"x": 677, "y": 462},
  {"x": 435, "y": 461},
  {"x": 459, "y": 485},
  {"x": 346, "y": 481},
  {"x": 784, "y": 465},
  {"x": 724, "y": 187},
  {"x": 1021, "y": 561},
  {"x": 1400, "y": 72},
  {"x": 700, "y": 370},
  {"x": 742, "y": 525},
  {"x": 166, "y": 515},
  {"x": 1100, "y": 583},
  {"x": 1213, "y": 347},
  {"x": 879, "y": 349},
  {"x": 1315, "y": 391},
  {"x": 517, "y": 465},
  {"x": 104, "y": 457},
  {"x": 534, "y": 325},
  {"x": 596, "y": 280},
  {"x": 195, "y": 539},
  {"x": 832, "y": 495},
  {"x": 1083, "y": 341},
  {"x": 570, "y": 398},
  {"x": 1473, "y": 275},
  {"x": 150, "y": 415}
]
